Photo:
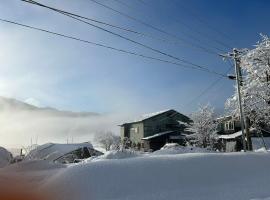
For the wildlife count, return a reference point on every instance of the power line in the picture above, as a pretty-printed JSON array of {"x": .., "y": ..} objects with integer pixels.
[
  {"x": 192, "y": 29},
  {"x": 141, "y": 1},
  {"x": 208, "y": 88},
  {"x": 108, "y": 24},
  {"x": 106, "y": 46},
  {"x": 194, "y": 15},
  {"x": 122, "y": 3},
  {"x": 155, "y": 28},
  {"x": 135, "y": 42}
]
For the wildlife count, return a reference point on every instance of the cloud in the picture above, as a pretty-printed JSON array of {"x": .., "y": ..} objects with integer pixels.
[{"x": 20, "y": 123}]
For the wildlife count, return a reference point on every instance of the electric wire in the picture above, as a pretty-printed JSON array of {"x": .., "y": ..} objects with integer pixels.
[
  {"x": 133, "y": 41},
  {"x": 106, "y": 46},
  {"x": 105, "y": 23},
  {"x": 155, "y": 28},
  {"x": 191, "y": 29},
  {"x": 195, "y": 16}
]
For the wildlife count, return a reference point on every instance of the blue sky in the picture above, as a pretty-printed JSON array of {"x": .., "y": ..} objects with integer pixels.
[{"x": 57, "y": 72}]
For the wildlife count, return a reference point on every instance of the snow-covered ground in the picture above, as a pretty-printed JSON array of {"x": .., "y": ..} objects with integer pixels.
[
  {"x": 127, "y": 175},
  {"x": 203, "y": 176},
  {"x": 257, "y": 143},
  {"x": 174, "y": 148}
]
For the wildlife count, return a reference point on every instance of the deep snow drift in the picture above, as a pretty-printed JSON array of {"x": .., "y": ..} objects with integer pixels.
[
  {"x": 174, "y": 148},
  {"x": 5, "y": 157},
  {"x": 202, "y": 176}
]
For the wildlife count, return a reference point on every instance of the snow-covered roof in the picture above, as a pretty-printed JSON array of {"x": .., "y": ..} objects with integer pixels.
[
  {"x": 5, "y": 157},
  {"x": 53, "y": 151},
  {"x": 157, "y": 135},
  {"x": 231, "y": 136},
  {"x": 227, "y": 117},
  {"x": 184, "y": 123},
  {"x": 147, "y": 116}
]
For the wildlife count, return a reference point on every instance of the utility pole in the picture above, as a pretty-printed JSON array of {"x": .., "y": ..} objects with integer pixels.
[{"x": 238, "y": 83}]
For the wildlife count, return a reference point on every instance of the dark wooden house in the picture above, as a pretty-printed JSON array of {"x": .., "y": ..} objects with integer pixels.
[{"x": 152, "y": 131}]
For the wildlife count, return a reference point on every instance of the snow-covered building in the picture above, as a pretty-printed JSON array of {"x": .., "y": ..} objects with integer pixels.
[
  {"x": 63, "y": 153},
  {"x": 152, "y": 131},
  {"x": 230, "y": 134},
  {"x": 228, "y": 125},
  {"x": 5, "y": 157}
]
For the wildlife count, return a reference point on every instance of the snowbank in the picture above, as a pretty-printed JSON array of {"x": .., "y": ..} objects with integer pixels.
[
  {"x": 196, "y": 176},
  {"x": 116, "y": 154},
  {"x": 32, "y": 172},
  {"x": 258, "y": 144},
  {"x": 174, "y": 148},
  {"x": 5, "y": 157}
]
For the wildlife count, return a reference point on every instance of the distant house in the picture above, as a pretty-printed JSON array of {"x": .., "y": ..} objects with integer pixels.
[
  {"x": 230, "y": 134},
  {"x": 228, "y": 125},
  {"x": 152, "y": 131}
]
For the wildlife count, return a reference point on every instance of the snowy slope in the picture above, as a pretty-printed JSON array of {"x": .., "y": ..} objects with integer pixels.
[
  {"x": 202, "y": 176},
  {"x": 5, "y": 157}
]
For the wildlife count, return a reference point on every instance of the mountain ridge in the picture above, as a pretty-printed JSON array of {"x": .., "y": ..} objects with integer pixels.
[{"x": 11, "y": 104}]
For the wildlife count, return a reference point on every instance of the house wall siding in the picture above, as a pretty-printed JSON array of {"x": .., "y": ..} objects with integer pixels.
[{"x": 136, "y": 132}]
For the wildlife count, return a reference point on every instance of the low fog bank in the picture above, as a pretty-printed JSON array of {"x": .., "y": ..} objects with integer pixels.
[{"x": 21, "y": 124}]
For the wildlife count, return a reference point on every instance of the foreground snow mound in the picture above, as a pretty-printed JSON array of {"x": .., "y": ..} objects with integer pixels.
[
  {"x": 208, "y": 176},
  {"x": 34, "y": 172},
  {"x": 5, "y": 157},
  {"x": 174, "y": 148},
  {"x": 33, "y": 165}
]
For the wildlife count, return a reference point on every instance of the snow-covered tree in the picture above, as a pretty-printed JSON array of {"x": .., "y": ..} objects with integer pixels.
[
  {"x": 108, "y": 140},
  {"x": 204, "y": 126},
  {"x": 255, "y": 65}
]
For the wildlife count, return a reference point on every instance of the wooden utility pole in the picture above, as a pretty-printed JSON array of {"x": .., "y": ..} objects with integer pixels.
[
  {"x": 249, "y": 141},
  {"x": 238, "y": 83}
]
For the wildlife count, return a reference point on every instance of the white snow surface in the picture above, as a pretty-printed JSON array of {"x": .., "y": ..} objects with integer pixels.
[
  {"x": 115, "y": 154},
  {"x": 5, "y": 157},
  {"x": 52, "y": 151},
  {"x": 258, "y": 144},
  {"x": 196, "y": 176},
  {"x": 174, "y": 148},
  {"x": 34, "y": 171}
]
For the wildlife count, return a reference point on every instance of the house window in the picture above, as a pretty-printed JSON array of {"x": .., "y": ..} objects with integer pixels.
[
  {"x": 134, "y": 129},
  {"x": 229, "y": 125}
]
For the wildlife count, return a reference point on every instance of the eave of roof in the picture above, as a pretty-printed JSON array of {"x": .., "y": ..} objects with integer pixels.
[
  {"x": 231, "y": 136},
  {"x": 157, "y": 135}
]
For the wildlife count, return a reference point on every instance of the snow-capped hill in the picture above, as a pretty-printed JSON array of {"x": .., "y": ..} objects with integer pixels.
[
  {"x": 13, "y": 104},
  {"x": 9, "y": 104},
  {"x": 22, "y": 122}
]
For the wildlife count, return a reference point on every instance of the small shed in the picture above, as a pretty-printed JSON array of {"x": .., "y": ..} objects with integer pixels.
[{"x": 231, "y": 142}]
